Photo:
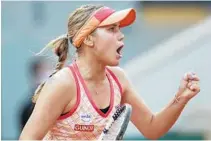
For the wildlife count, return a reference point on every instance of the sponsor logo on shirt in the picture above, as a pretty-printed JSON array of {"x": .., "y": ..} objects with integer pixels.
[
  {"x": 84, "y": 128},
  {"x": 85, "y": 117}
]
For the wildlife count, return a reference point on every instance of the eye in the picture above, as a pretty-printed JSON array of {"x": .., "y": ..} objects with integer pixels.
[{"x": 112, "y": 29}]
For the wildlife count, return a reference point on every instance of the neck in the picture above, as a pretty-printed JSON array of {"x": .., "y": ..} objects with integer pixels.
[{"x": 91, "y": 69}]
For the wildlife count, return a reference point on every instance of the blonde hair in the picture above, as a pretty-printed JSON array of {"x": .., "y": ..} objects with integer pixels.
[{"x": 60, "y": 45}]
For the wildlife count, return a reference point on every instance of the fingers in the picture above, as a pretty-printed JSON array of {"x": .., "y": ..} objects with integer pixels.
[
  {"x": 193, "y": 85},
  {"x": 195, "y": 88},
  {"x": 191, "y": 76}
]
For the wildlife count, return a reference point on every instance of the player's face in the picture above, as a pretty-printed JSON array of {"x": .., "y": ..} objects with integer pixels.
[{"x": 108, "y": 43}]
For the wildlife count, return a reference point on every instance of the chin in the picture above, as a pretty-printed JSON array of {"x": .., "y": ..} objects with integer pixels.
[{"x": 113, "y": 63}]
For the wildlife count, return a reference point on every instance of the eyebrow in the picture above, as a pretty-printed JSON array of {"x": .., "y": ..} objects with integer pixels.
[{"x": 114, "y": 25}]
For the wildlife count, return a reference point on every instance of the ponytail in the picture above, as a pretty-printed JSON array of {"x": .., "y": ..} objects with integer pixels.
[{"x": 60, "y": 46}]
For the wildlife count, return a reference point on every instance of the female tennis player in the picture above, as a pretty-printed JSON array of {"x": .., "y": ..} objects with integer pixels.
[{"x": 76, "y": 101}]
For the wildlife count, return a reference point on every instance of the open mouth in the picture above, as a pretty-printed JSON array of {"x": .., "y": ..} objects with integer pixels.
[{"x": 119, "y": 50}]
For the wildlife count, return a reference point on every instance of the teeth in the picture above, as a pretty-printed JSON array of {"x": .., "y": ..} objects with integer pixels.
[{"x": 119, "y": 50}]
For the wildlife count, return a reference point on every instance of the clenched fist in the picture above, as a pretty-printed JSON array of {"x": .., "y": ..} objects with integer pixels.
[{"x": 189, "y": 86}]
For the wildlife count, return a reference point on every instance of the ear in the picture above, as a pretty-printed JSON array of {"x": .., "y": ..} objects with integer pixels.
[{"x": 89, "y": 41}]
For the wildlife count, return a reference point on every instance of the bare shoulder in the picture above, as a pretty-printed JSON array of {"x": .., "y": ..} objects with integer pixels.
[
  {"x": 61, "y": 85},
  {"x": 63, "y": 77}
]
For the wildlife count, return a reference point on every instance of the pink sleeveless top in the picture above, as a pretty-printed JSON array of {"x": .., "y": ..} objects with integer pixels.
[{"x": 85, "y": 121}]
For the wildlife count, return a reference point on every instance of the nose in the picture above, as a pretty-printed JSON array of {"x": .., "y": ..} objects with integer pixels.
[{"x": 121, "y": 36}]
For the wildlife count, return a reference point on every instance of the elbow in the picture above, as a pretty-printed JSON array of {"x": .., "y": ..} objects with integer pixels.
[
  {"x": 153, "y": 134},
  {"x": 152, "y": 137}
]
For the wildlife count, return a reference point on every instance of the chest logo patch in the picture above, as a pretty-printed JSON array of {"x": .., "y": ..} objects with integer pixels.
[{"x": 85, "y": 117}]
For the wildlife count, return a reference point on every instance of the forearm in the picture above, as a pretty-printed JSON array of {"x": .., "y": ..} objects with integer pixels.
[{"x": 161, "y": 122}]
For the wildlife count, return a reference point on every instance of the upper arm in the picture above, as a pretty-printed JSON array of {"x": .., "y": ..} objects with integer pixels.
[
  {"x": 141, "y": 114},
  {"x": 53, "y": 98}
]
